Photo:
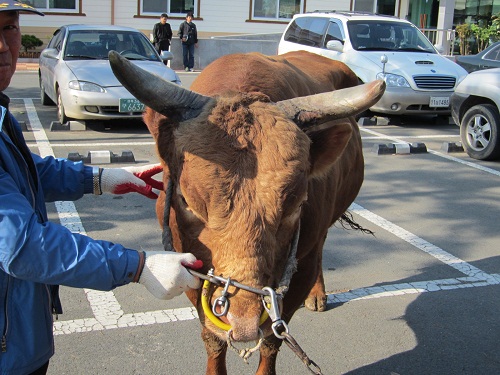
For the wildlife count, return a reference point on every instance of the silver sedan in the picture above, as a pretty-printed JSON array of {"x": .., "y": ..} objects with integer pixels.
[{"x": 75, "y": 73}]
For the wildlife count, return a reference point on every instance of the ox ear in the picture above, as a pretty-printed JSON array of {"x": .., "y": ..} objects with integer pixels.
[
  {"x": 327, "y": 145},
  {"x": 162, "y": 96},
  {"x": 307, "y": 111}
]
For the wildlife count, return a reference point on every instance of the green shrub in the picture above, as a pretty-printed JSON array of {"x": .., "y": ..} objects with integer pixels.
[
  {"x": 30, "y": 42},
  {"x": 483, "y": 35}
]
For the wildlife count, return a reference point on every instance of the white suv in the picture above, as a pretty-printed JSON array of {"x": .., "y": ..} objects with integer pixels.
[{"x": 419, "y": 80}]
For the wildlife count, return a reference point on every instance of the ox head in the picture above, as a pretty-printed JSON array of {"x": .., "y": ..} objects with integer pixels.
[{"x": 241, "y": 168}]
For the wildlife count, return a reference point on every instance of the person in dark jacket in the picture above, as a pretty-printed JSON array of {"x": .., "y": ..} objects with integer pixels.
[
  {"x": 37, "y": 255},
  {"x": 189, "y": 38},
  {"x": 162, "y": 34}
]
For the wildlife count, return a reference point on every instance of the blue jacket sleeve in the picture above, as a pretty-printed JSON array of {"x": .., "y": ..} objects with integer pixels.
[
  {"x": 49, "y": 253},
  {"x": 63, "y": 179}
]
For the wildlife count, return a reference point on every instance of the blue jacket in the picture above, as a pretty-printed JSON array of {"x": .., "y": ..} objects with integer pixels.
[{"x": 37, "y": 255}]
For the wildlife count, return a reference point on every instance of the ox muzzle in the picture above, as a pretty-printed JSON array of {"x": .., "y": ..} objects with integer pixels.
[{"x": 221, "y": 304}]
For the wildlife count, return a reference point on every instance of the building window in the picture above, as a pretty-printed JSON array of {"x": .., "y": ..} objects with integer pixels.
[
  {"x": 364, "y": 6},
  {"x": 54, "y": 5},
  {"x": 475, "y": 11},
  {"x": 275, "y": 9},
  {"x": 172, "y": 7}
]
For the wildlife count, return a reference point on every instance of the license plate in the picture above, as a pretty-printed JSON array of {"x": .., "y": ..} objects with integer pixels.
[
  {"x": 439, "y": 101},
  {"x": 131, "y": 105}
]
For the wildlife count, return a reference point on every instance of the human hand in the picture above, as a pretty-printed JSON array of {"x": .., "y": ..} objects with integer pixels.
[
  {"x": 165, "y": 276},
  {"x": 132, "y": 179}
]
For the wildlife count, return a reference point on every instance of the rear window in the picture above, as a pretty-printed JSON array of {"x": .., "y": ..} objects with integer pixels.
[
  {"x": 308, "y": 31},
  {"x": 493, "y": 54}
]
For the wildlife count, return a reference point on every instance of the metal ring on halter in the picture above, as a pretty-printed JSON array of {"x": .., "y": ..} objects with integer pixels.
[
  {"x": 205, "y": 293},
  {"x": 222, "y": 301}
]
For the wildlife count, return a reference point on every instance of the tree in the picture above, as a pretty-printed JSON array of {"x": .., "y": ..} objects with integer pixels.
[
  {"x": 495, "y": 22},
  {"x": 483, "y": 35},
  {"x": 464, "y": 33},
  {"x": 30, "y": 42}
]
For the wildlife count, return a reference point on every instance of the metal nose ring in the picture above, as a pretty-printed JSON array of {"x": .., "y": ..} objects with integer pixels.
[{"x": 222, "y": 301}]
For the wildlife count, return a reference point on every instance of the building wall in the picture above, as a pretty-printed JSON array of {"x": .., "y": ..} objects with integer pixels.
[{"x": 217, "y": 18}]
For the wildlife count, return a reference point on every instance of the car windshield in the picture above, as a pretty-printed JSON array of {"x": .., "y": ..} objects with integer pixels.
[
  {"x": 387, "y": 36},
  {"x": 95, "y": 45}
]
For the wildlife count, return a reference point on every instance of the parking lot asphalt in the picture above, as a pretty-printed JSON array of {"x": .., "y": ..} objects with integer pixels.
[{"x": 418, "y": 297}]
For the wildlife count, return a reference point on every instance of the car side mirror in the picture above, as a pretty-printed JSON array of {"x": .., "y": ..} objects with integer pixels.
[
  {"x": 335, "y": 45},
  {"x": 50, "y": 53},
  {"x": 166, "y": 55}
]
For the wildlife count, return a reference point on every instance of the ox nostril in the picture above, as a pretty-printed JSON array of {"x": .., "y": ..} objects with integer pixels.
[{"x": 243, "y": 328}]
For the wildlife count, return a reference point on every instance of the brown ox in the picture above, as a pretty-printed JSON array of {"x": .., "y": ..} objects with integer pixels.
[{"x": 252, "y": 154}]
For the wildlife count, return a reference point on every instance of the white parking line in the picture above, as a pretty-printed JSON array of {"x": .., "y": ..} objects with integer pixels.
[
  {"x": 440, "y": 154},
  {"x": 151, "y": 143},
  {"x": 108, "y": 313},
  {"x": 431, "y": 136},
  {"x": 474, "y": 276}
]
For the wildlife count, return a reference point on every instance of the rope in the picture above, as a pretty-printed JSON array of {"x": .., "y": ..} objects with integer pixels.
[
  {"x": 166, "y": 236},
  {"x": 291, "y": 266},
  {"x": 247, "y": 352},
  {"x": 292, "y": 344}
]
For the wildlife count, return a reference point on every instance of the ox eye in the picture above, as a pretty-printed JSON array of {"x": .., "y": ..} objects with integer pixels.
[{"x": 192, "y": 208}]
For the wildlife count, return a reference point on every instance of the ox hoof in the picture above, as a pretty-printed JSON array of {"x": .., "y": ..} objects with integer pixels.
[{"x": 316, "y": 303}]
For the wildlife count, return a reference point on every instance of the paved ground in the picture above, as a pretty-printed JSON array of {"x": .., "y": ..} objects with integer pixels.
[{"x": 419, "y": 297}]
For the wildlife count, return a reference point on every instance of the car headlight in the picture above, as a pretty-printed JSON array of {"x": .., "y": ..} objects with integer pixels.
[
  {"x": 85, "y": 86},
  {"x": 393, "y": 80}
]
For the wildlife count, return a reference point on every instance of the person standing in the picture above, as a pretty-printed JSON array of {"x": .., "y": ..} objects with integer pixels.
[
  {"x": 189, "y": 38},
  {"x": 36, "y": 255},
  {"x": 162, "y": 34}
]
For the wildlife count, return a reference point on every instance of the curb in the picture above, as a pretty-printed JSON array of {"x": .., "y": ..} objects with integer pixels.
[
  {"x": 27, "y": 66},
  {"x": 102, "y": 157},
  {"x": 399, "y": 148},
  {"x": 452, "y": 147},
  {"x": 70, "y": 125},
  {"x": 381, "y": 121}
]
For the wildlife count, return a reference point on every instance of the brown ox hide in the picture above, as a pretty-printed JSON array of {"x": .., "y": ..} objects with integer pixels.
[
  {"x": 245, "y": 175},
  {"x": 289, "y": 76}
]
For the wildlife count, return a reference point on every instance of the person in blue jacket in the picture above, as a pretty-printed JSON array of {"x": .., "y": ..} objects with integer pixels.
[{"x": 36, "y": 255}]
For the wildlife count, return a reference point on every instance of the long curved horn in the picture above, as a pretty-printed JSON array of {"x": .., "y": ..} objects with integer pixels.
[
  {"x": 154, "y": 91},
  {"x": 316, "y": 109}
]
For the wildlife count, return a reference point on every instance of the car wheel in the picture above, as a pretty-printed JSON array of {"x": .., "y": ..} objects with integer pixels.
[
  {"x": 61, "y": 116},
  {"x": 44, "y": 98},
  {"x": 479, "y": 132}
]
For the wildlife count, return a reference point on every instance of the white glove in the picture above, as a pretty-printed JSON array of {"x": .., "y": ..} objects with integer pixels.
[
  {"x": 132, "y": 179},
  {"x": 165, "y": 276}
]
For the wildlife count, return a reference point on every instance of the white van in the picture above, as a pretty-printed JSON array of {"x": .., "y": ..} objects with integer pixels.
[{"x": 419, "y": 80}]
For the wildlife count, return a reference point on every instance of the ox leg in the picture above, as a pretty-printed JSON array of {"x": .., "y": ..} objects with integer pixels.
[
  {"x": 268, "y": 353},
  {"x": 216, "y": 351},
  {"x": 316, "y": 300}
]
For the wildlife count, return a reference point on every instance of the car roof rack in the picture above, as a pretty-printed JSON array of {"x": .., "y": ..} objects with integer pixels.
[{"x": 351, "y": 13}]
